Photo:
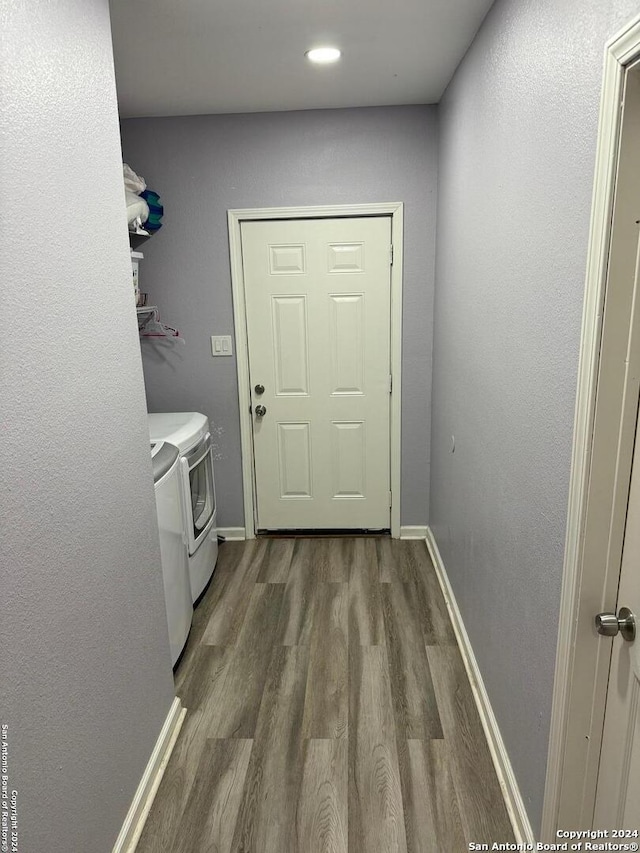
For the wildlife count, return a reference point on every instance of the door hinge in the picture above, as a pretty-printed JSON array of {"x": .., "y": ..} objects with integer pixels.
[
  {"x": 391, "y": 254},
  {"x": 390, "y": 500},
  {"x": 390, "y": 384}
]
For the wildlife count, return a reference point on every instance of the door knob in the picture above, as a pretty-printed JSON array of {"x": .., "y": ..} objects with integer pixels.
[
  {"x": 261, "y": 411},
  {"x": 608, "y": 624},
  {"x": 259, "y": 389}
]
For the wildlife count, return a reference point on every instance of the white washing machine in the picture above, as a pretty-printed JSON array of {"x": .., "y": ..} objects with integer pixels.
[
  {"x": 173, "y": 551},
  {"x": 189, "y": 432}
]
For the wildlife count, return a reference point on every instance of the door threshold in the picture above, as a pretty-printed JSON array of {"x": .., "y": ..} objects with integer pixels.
[{"x": 314, "y": 533}]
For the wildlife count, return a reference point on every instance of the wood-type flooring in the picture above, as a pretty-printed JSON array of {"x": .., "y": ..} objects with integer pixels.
[{"x": 329, "y": 710}]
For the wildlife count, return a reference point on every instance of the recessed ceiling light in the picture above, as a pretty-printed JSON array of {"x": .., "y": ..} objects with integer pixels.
[{"x": 323, "y": 55}]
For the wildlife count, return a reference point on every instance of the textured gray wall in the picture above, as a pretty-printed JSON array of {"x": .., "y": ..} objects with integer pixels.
[
  {"x": 518, "y": 133},
  {"x": 204, "y": 165},
  {"x": 85, "y": 677}
]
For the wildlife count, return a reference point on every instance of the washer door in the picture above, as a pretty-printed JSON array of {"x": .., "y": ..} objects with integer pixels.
[{"x": 200, "y": 499}]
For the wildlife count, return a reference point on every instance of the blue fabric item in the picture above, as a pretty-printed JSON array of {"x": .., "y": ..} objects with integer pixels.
[{"x": 156, "y": 210}]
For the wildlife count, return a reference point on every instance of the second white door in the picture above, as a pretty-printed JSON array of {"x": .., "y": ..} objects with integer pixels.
[
  {"x": 617, "y": 807},
  {"x": 318, "y": 294},
  {"x": 618, "y": 794}
]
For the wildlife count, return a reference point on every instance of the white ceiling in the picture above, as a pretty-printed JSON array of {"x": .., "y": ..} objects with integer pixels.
[{"x": 188, "y": 57}]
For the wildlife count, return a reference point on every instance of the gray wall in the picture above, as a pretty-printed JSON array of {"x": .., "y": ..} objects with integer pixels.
[
  {"x": 85, "y": 677},
  {"x": 204, "y": 165},
  {"x": 518, "y": 132}
]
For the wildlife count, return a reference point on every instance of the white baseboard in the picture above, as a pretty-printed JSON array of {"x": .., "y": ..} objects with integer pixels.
[
  {"x": 412, "y": 531},
  {"x": 506, "y": 777},
  {"x": 232, "y": 534},
  {"x": 151, "y": 778}
]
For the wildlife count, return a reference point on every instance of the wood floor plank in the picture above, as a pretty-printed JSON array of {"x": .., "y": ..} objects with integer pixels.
[
  {"x": 210, "y": 815},
  {"x": 482, "y": 809},
  {"x": 432, "y": 815},
  {"x": 299, "y": 601},
  {"x": 322, "y": 824},
  {"x": 391, "y": 566},
  {"x": 185, "y": 664},
  {"x": 431, "y": 606},
  {"x": 236, "y": 702},
  {"x": 267, "y": 819},
  {"x": 228, "y": 611},
  {"x": 376, "y": 819},
  {"x": 276, "y": 561},
  {"x": 229, "y": 556},
  {"x": 207, "y": 671},
  {"x": 414, "y": 699},
  {"x": 165, "y": 818},
  {"x": 366, "y": 627},
  {"x": 331, "y": 558},
  {"x": 326, "y": 709}
]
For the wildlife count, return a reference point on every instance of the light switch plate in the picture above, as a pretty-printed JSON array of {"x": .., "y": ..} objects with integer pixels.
[{"x": 221, "y": 345}]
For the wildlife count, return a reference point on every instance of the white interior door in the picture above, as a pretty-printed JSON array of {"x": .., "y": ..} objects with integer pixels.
[
  {"x": 318, "y": 294},
  {"x": 594, "y": 757},
  {"x": 618, "y": 792},
  {"x": 617, "y": 803}
]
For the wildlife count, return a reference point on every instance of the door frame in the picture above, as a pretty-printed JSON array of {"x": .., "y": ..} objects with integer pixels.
[
  {"x": 235, "y": 219},
  {"x": 597, "y": 498}
]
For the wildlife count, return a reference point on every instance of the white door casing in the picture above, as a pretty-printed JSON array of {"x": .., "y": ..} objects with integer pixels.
[
  {"x": 393, "y": 210},
  {"x": 317, "y": 295}
]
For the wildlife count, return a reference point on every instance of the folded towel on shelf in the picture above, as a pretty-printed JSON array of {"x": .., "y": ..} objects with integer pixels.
[
  {"x": 132, "y": 182},
  {"x": 137, "y": 210},
  {"x": 143, "y": 205}
]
